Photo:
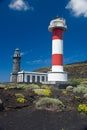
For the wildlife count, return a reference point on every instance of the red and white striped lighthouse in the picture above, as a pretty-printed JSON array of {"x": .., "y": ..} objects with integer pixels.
[{"x": 57, "y": 27}]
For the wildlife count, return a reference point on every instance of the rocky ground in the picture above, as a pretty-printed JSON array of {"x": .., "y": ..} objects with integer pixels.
[
  {"x": 25, "y": 116},
  {"x": 30, "y": 119}
]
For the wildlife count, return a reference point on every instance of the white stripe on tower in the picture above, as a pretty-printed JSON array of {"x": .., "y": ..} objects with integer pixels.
[{"x": 57, "y": 50}]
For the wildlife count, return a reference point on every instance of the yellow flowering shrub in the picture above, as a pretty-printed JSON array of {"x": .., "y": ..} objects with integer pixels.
[
  {"x": 64, "y": 92},
  {"x": 82, "y": 108},
  {"x": 6, "y": 88},
  {"x": 42, "y": 92},
  {"x": 21, "y": 100},
  {"x": 44, "y": 87},
  {"x": 47, "y": 92}
]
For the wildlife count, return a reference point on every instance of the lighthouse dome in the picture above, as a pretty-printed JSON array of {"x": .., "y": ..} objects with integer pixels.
[
  {"x": 57, "y": 23},
  {"x": 17, "y": 53}
]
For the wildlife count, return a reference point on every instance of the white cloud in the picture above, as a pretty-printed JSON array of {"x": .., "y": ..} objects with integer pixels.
[
  {"x": 78, "y": 7},
  {"x": 22, "y": 53},
  {"x": 20, "y": 5},
  {"x": 40, "y": 61},
  {"x": 35, "y": 62}
]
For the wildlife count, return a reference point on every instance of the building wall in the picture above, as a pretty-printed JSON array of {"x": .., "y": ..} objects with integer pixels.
[
  {"x": 13, "y": 78},
  {"x": 32, "y": 77}
]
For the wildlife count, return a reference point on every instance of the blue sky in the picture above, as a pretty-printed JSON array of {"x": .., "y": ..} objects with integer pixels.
[{"x": 24, "y": 25}]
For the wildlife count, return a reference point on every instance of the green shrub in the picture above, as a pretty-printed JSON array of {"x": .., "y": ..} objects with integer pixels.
[
  {"x": 51, "y": 101},
  {"x": 81, "y": 89},
  {"x": 69, "y": 88},
  {"x": 54, "y": 88},
  {"x": 63, "y": 129},
  {"x": 84, "y": 82},
  {"x": 2, "y": 85},
  {"x": 85, "y": 90},
  {"x": 82, "y": 108},
  {"x": 21, "y": 100},
  {"x": 19, "y": 95},
  {"x": 33, "y": 86},
  {"x": 74, "y": 90},
  {"x": 77, "y": 97},
  {"x": 18, "y": 87},
  {"x": 75, "y": 82},
  {"x": 25, "y": 87},
  {"x": 85, "y": 95},
  {"x": 11, "y": 87}
]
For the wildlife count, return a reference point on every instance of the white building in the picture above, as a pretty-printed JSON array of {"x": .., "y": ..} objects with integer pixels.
[
  {"x": 18, "y": 76},
  {"x": 31, "y": 77}
]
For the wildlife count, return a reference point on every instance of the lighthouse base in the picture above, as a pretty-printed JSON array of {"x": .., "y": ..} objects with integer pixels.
[{"x": 57, "y": 76}]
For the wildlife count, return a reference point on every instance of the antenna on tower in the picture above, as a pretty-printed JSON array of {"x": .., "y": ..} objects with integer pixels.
[{"x": 57, "y": 16}]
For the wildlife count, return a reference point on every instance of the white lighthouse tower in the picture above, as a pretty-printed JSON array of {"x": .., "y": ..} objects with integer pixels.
[{"x": 57, "y": 27}]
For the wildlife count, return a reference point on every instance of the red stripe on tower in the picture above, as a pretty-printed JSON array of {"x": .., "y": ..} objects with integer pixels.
[
  {"x": 57, "y": 59},
  {"x": 57, "y": 33}
]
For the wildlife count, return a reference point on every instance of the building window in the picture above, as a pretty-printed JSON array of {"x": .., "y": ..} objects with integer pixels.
[
  {"x": 38, "y": 78},
  {"x": 28, "y": 78},
  {"x": 43, "y": 78},
  {"x": 33, "y": 79}
]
